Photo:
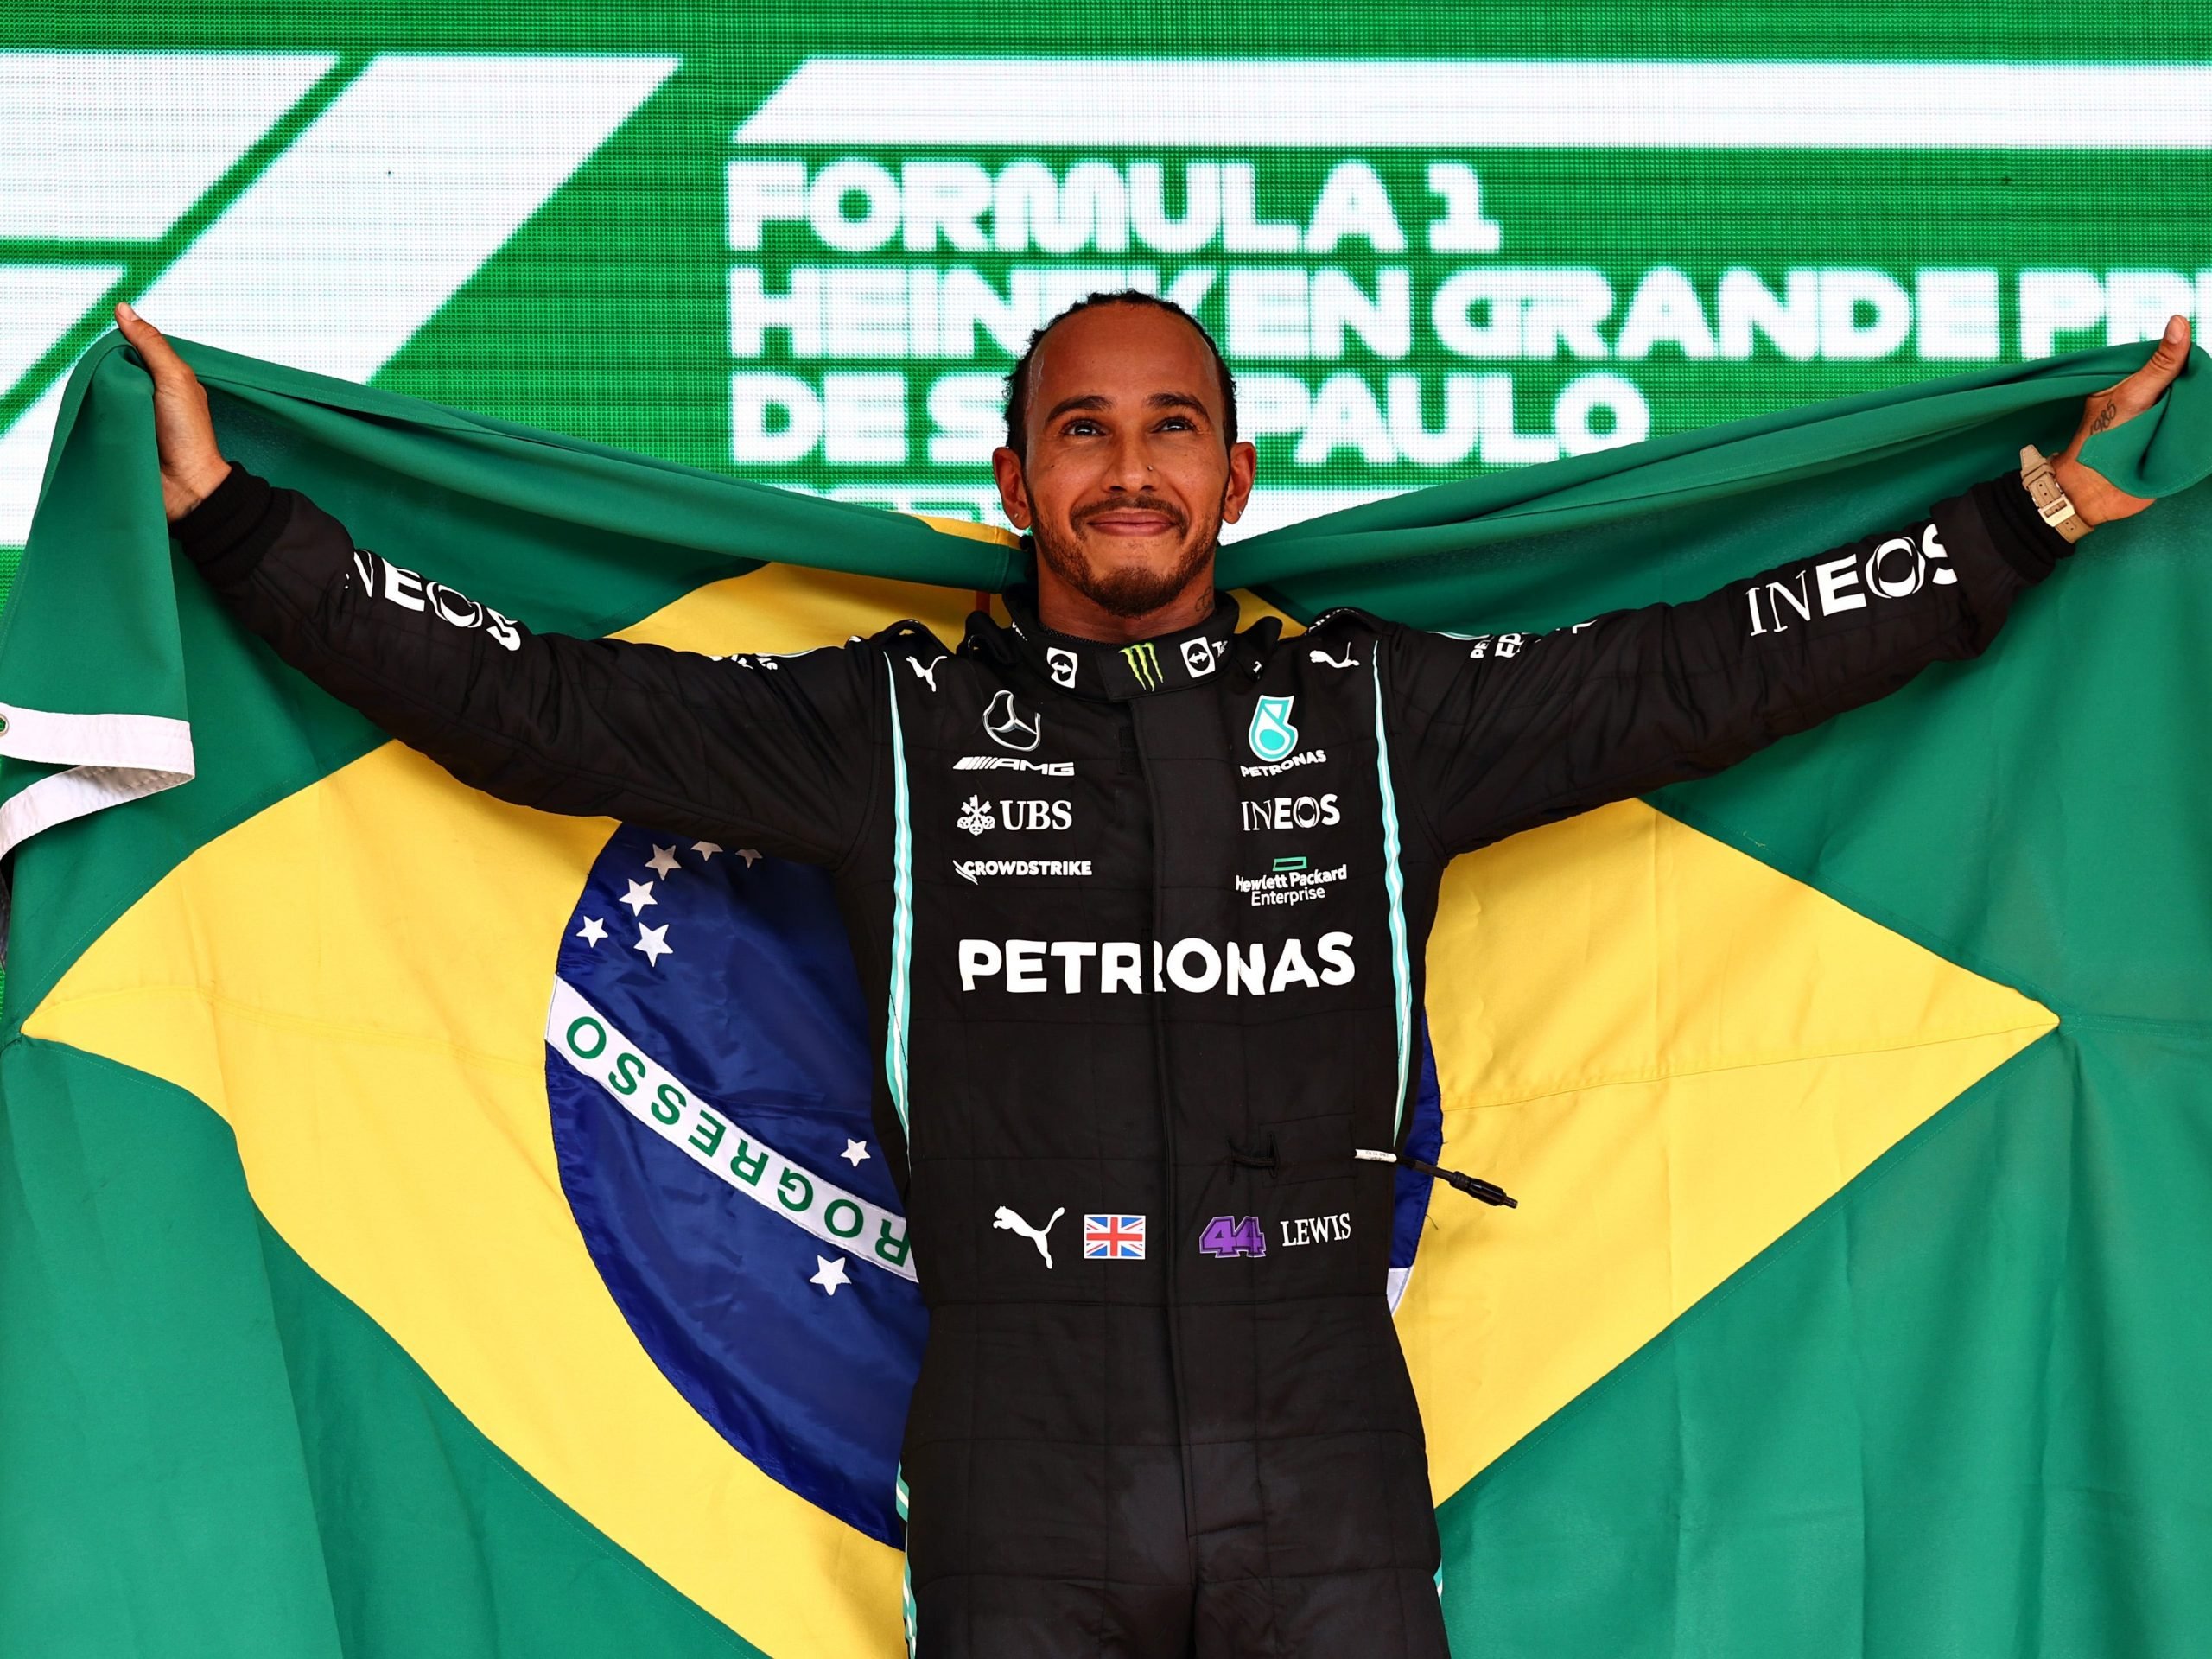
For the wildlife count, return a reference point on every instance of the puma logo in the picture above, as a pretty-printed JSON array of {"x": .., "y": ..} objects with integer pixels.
[
  {"x": 928, "y": 675},
  {"x": 1014, "y": 1223},
  {"x": 1324, "y": 656}
]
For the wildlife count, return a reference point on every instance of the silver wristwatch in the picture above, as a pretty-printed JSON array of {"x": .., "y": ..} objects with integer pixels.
[{"x": 2050, "y": 501}]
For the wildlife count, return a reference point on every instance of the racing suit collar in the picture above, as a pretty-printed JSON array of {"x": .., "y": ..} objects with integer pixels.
[{"x": 1168, "y": 662}]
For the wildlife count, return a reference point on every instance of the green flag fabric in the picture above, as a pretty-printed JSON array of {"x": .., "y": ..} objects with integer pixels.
[{"x": 1948, "y": 1401}]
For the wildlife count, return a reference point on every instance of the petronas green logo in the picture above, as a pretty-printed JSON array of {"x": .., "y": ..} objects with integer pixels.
[
  {"x": 1273, "y": 736},
  {"x": 1144, "y": 663}
]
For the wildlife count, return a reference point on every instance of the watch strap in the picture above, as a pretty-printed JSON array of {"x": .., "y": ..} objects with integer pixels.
[{"x": 2051, "y": 502}]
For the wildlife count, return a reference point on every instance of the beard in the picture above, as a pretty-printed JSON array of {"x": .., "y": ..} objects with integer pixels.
[{"x": 1131, "y": 590}]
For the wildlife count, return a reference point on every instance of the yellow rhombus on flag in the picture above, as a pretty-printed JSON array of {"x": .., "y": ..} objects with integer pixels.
[{"x": 1670, "y": 1052}]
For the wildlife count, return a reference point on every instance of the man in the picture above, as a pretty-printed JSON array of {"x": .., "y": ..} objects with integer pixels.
[{"x": 1140, "y": 1036}]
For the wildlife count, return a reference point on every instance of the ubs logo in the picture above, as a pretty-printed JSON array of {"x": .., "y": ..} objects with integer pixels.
[{"x": 1035, "y": 815}]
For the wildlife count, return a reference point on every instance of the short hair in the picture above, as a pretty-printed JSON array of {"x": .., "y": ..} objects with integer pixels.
[{"x": 1017, "y": 379}]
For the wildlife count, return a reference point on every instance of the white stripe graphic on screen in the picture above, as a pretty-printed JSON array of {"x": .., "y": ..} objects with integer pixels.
[
  {"x": 23, "y": 463},
  {"x": 38, "y": 305},
  {"x": 398, "y": 194},
  {"x": 117, "y": 144},
  {"x": 1243, "y": 104},
  {"x": 375, "y": 216}
]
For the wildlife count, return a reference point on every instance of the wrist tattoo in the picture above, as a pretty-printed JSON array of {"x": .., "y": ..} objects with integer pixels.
[{"x": 2105, "y": 418}]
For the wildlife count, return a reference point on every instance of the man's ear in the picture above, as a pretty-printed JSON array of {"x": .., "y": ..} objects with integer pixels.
[
  {"x": 1244, "y": 467},
  {"x": 1013, "y": 488}
]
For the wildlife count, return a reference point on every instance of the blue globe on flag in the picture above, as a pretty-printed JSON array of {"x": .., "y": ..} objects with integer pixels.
[{"x": 708, "y": 1073}]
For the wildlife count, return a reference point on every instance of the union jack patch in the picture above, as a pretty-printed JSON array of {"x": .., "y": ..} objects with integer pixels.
[{"x": 1112, "y": 1238}]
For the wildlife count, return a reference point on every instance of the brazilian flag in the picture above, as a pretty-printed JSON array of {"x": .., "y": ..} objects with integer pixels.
[{"x": 1858, "y": 1100}]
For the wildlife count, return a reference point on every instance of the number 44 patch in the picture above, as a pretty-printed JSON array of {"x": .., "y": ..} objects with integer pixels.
[{"x": 1230, "y": 1236}]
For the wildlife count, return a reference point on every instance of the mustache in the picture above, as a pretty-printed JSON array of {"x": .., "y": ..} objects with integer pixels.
[{"x": 1174, "y": 514}]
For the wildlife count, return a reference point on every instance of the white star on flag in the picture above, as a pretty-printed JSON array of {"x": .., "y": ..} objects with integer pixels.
[
  {"x": 640, "y": 895},
  {"x": 663, "y": 862},
  {"x": 653, "y": 941},
  {"x": 748, "y": 854},
  {"x": 828, "y": 1272},
  {"x": 706, "y": 849},
  {"x": 854, "y": 1151},
  {"x": 593, "y": 930}
]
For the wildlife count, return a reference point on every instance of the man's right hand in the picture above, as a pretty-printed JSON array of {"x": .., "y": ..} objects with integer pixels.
[{"x": 192, "y": 465}]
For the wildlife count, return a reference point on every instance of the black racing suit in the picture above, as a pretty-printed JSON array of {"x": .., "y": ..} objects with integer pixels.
[{"x": 1142, "y": 931}]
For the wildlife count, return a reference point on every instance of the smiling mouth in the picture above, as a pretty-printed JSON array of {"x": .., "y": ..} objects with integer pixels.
[{"x": 1131, "y": 522}]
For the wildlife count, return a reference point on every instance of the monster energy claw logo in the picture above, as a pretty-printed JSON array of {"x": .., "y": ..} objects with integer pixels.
[
  {"x": 1272, "y": 735},
  {"x": 1144, "y": 663}
]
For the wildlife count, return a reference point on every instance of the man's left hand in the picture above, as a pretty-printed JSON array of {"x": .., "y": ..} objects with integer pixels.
[{"x": 2094, "y": 496}]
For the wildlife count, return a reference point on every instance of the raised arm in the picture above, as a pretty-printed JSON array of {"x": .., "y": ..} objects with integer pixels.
[
  {"x": 1511, "y": 730},
  {"x": 776, "y": 752}
]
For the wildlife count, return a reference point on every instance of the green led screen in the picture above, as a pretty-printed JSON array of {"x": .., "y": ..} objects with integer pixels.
[{"x": 804, "y": 247}]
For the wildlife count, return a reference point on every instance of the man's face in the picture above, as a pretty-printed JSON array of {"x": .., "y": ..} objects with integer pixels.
[{"x": 1127, "y": 480}]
